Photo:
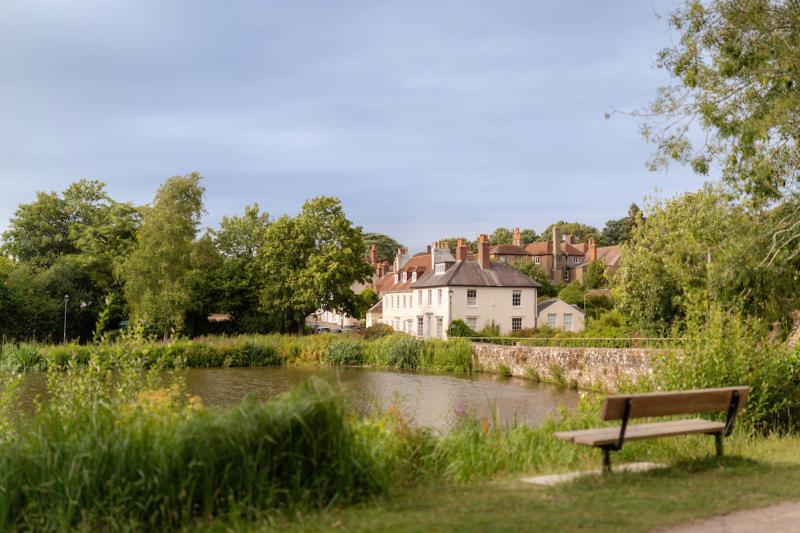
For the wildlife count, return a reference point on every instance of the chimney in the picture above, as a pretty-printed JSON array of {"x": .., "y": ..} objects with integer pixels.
[
  {"x": 570, "y": 238},
  {"x": 483, "y": 252},
  {"x": 517, "y": 237},
  {"x": 556, "y": 253},
  {"x": 373, "y": 255},
  {"x": 592, "y": 250},
  {"x": 461, "y": 251}
]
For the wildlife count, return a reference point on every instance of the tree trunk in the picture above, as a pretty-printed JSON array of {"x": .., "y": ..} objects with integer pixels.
[{"x": 301, "y": 328}]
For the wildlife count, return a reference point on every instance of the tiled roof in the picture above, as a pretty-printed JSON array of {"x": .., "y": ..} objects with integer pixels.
[
  {"x": 610, "y": 255},
  {"x": 508, "y": 249},
  {"x": 546, "y": 248},
  {"x": 384, "y": 282},
  {"x": 420, "y": 264},
  {"x": 470, "y": 274}
]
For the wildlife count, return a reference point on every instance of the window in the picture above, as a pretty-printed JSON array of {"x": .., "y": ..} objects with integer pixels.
[
  {"x": 419, "y": 297},
  {"x": 420, "y": 324},
  {"x": 567, "y": 321},
  {"x": 472, "y": 297},
  {"x": 404, "y": 300},
  {"x": 440, "y": 268},
  {"x": 516, "y": 323},
  {"x": 439, "y": 297},
  {"x": 537, "y": 259},
  {"x": 576, "y": 260},
  {"x": 395, "y": 278},
  {"x": 405, "y": 277},
  {"x": 472, "y": 322},
  {"x": 551, "y": 320},
  {"x": 516, "y": 298},
  {"x": 566, "y": 275},
  {"x": 439, "y": 327},
  {"x": 430, "y": 296},
  {"x": 502, "y": 259},
  {"x": 413, "y": 276}
]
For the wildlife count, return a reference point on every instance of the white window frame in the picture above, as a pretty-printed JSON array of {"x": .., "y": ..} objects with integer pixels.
[
  {"x": 567, "y": 321},
  {"x": 552, "y": 320},
  {"x": 516, "y": 323},
  {"x": 439, "y": 297},
  {"x": 420, "y": 326},
  {"x": 413, "y": 277},
  {"x": 472, "y": 322},
  {"x": 537, "y": 259},
  {"x": 516, "y": 298},
  {"x": 439, "y": 327},
  {"x": 405, "y": 277},
  {"x": 396, "y": 278},
  {"x": 430, "y": 296},
  {"x": 472, "y": 301},
  {"x": 439, "y": 268},
  {"x": 419, "y": 297}
]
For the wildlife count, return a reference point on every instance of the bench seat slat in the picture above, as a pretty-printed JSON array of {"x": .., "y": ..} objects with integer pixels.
[{"x": 610, "y": 435}]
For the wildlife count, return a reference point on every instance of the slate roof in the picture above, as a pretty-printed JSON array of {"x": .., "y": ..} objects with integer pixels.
[
  {"x": 547, "y": 303},
  {"x": 470, "y": 274}
]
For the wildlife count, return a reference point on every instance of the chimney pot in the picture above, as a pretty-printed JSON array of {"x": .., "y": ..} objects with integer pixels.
[
  {"x": 517, "y": 241},
  {"x": 483, "y": 252}
]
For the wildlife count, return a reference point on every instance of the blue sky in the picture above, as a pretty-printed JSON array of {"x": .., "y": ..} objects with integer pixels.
[{"x": 427, "y": 118}]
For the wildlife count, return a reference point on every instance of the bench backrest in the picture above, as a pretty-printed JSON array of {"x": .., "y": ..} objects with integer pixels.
[{"x": 672, "y": 403}]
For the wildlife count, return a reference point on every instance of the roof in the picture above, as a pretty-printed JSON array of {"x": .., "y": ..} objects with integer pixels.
[
  {"x": 384, "y": 282},
  {"x": 609, "y": 255},
  {"x": 547, "y": 303},
  {"x": 470, "y": 274},
  {"x": 377, "y": 308},
  {"x": 508, "y": 249},
  {"x": 420, "y": 264},
  {"x": 546, "y": 248}
]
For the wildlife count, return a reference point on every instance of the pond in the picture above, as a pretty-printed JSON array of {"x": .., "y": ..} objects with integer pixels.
[{"x": 429, "y": 400}]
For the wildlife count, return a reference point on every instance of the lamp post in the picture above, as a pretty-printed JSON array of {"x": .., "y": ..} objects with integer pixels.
[{"x": 66, "y": 299}]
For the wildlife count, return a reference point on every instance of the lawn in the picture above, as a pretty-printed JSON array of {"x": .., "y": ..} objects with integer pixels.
[{"x": 755, "y": 473}]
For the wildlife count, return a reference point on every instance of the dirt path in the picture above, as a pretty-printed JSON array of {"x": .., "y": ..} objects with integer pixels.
[{"x": 784, "y": 517}]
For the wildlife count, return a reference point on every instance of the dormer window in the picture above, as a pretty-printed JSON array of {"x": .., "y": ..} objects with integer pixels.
[
  {"x": 576, "y": 260},
  {"x": 440, "y": 268},
  {"x": 537, "y": 259},
  {"x": 405, "y": 277},
  {"x": 413, "y": 277},
  {"x": 395, "y": 278}
]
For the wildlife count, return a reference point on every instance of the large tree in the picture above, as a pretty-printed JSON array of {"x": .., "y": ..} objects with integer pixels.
[
  {"x": 581, "y": 232},
  {"x": 385, "y": 245},
  {"x": 310, "y": 261},
  {"x": 159, "y": 272},
  {"x": 620, "y": 230},
  {"x": 736, "y": 64}
]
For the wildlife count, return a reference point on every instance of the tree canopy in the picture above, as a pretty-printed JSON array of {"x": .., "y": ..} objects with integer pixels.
[{"x": 385, "y": 245}]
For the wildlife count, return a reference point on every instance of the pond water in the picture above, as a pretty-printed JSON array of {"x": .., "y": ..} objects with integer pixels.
[{"x": 429, "y": 400}]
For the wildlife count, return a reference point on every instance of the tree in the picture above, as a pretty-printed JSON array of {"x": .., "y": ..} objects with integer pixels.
[
  {"x": 310, "y": 261},
  {"x": 581, "y": 232},
  {"x": 572, "y": 293},
  {"x": 620, "y": 230},
  {"x": 528, "y": 236},
  {"x": 736, "y": 64},
  {"x": 452, "y": 242},
  {"x": 532, "y": 270},
  {"x": 159, "y": 272},
  {"x": 595, "y": 276},
  {"x": 242, "y": 236},
  {"x": 386, "y": 246},
  {"x": 501, "y": 236}
]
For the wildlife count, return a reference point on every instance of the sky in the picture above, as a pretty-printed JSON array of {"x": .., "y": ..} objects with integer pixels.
[{"x": 428, "y": 119}]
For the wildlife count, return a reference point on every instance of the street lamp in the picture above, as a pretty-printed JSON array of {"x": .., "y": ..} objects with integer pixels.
[{"x": 66, "y": 299}]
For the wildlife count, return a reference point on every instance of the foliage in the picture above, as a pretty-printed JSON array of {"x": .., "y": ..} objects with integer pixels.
[
  {"x": 309, "y": 262},
  {"x": 620, "y": 230},
  {"x": 501, "y": 236},
  {"x": 572, "y": 293},
  {"x": 404, "y": 353},
  {"x": 385, "y": 246},
  {"x": 345, "y": 352},
  {"x": 159, "y": 272},
  {"x": 581, "y": 232},
  {"x": 364, "y": 300},
  {"x": 377, "y": 331},
  {"x": 490, "y": 330},
  {"x": 528, "y": 236},
  {"x": 459, "y": 328},
  {"x": 725, "y": 349},
  {"x": 595, "y": 276}
]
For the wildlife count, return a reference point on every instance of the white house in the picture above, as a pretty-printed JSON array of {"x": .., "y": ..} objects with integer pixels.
[
  {"x": 479, "y": 292},
  {"x": 558, "y": 314}
]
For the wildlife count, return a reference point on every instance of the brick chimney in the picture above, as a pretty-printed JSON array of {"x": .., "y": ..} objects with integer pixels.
[
  {"x": 592, "y": 250},
  {"x": 483, "y": 252},
  {"x": 570, "y": 238},
  {"x": 373, "y": 255},
  {"x": 556, "y": 253},
  {"x": 461, "y": 250},
  {"x": 517, "y": 237}
]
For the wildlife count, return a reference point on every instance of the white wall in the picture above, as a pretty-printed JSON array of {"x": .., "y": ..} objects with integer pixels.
[
  {"x": 397, "y": 312},
  {"x": 495, "y": 304}
]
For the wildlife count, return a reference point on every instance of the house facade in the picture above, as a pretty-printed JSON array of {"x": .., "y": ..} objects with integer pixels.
[
  {"x": 558, "y": 314},
  {"x": 478, "y": 291}
]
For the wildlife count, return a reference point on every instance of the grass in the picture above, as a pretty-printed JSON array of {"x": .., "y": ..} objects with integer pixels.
[{"x": 758, "y": 473}]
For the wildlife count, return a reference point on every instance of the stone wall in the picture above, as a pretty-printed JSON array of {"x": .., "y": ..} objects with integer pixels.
[{"x": 585, "y": 368}]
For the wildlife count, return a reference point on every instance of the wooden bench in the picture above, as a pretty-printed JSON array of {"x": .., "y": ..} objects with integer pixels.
[{"x": 626, "y": 406}]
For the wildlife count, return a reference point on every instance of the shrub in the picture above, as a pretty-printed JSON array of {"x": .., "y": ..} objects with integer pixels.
[
  {"x": 22, "y": 357},
  {"x": 490, "y": 330},
  {"x": 504, "y": 371},
  {"x": 459, "y": 328},
  {"x": 378, "y": 331},
  {"x": 345, "y": 352}
]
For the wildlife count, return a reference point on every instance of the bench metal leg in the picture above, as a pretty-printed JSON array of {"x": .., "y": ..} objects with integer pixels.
[
  {"x": 606, "y": 460},
  {"x": 718, "y": 440}
]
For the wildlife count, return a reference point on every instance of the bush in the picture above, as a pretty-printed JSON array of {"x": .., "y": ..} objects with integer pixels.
[
  {"x": 459, "y": 328},
  {"x": 378, "y": 331},
  {"x": 724, "y": 350},
  {"x": 22, "y": 357},
  {"x": 490, "y": 330},
  {"x": 345, "y": 352}
]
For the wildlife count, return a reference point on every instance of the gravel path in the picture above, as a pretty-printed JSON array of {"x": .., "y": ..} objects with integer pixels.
[{"x": 784, "y": 517}]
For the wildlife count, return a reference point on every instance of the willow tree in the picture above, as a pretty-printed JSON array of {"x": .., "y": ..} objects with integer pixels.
[
  {"x": 159, "y": 272},
  {"x": 735, "y": 105},
  {"x": 310, "y": 261}
]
